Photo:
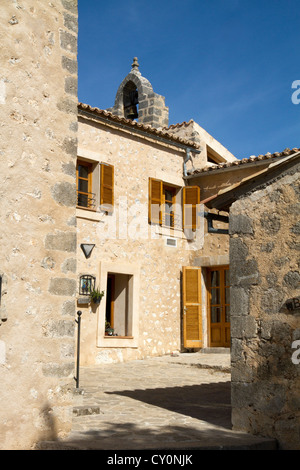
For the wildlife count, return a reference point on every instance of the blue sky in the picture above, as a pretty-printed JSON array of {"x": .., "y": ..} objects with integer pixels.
[{"x": 227, "y": 64}]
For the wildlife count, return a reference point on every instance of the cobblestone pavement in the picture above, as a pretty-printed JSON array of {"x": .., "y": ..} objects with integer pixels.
[{"x": 180, "y": 402}]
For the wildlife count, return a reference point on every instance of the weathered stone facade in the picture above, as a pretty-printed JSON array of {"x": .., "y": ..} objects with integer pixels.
[
  {"x": 38, "y": 115},
  {"x": 265, "y": 322},
  {"x": 141, "y": 147},
  {"x": 126, "y": 242}
]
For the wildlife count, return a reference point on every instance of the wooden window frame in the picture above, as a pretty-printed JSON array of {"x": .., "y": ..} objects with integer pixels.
[
  {"x": 89, "y": 180},
  {"x": 173, "y": 190},
  {"x": 112, "y": 299},
  {"x": 134, "y": 295}
]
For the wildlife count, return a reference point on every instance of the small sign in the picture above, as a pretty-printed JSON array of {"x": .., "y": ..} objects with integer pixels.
[{"x": 83, "y": 300}]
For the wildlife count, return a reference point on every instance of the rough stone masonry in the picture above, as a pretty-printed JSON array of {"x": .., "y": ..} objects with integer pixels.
[
  {"x": 264, "y": 262},
  {"x": 38, "y": 128}
]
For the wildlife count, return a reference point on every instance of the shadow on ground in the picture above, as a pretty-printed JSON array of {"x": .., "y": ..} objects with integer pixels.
[
  {"x": 132, "y": 437},
  {"x": 199, "y": 418},
  {"x": 207, "y": 402}
]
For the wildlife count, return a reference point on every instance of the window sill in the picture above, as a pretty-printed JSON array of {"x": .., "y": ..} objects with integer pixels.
[
  {"x": 85, "y": 213},
  {"x": 86, "y": 208},
  {"x": 169, "y": 231},
  {"x": 117, "y": 337},
  {"x": 117, "y": 342},
  {"x": 91, "y": 214}
]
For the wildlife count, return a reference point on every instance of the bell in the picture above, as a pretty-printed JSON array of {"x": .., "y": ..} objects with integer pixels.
[{"x": 132, "y": 112}]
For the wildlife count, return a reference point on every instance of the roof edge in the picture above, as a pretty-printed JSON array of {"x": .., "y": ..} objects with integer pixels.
[
  {"x": 134, "y": 125},
  {"x": 237, "y": 163},
  {"x": 226, "y": 196}
]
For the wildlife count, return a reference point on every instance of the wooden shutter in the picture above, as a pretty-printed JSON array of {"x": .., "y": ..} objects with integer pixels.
[
  {"x": 107, "y": 187},
  {"x": 191, "y": 198},
  {"x": 155, "y": 201},
  {"x": 192, "y": 308}
]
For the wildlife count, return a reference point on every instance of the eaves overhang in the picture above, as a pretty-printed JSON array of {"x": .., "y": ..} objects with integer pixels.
[
  {"x": 251, "y": 162},
  {"x": 223, "y": 200},
  {"x": 100, "y": 115}
]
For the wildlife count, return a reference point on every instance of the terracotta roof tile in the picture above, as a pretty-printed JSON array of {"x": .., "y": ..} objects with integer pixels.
[
  {"x": 223, "y": 199},
  {"x": 245, "y": 161},
  {"x": 181, "y": 124},
  {"x": 134, "y": 124}
]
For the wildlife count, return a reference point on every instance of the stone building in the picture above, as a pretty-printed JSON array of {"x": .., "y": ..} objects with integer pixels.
[
  {"x": 38, "y": 115},
  {"x": 138, "y": 212}
]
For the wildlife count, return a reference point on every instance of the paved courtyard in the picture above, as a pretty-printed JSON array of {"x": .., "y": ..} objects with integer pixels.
[{"x": 180, "y": 402}]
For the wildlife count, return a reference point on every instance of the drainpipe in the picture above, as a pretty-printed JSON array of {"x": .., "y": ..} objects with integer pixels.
[
  {"x": 210, "y": 217},
  {"x": 189, "y": 157}
]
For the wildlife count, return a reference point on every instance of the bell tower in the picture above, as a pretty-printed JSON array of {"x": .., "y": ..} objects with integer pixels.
[{"x": 136, "y": 100}]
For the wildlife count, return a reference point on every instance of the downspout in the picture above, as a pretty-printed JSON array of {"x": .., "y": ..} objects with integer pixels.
[
  {"x": 210, "y": 217},
  {"x": 189, "y": 157}
]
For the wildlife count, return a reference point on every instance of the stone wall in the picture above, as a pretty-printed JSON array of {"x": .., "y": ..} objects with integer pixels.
[
  {"x": 38, "y": 116},
  {"x": 264, "y": 263}
]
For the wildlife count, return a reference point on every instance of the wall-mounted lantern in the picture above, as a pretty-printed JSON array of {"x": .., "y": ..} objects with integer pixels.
[
  {"x": 86, "y": 284},
  {"x": 87, "y": 249}
]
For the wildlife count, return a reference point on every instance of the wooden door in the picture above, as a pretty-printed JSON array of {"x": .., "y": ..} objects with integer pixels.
[
  {"x": 192, "y": 307},
  {"x": 218, "y": 306}
]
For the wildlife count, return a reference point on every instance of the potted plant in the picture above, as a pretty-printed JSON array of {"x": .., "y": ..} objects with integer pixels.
[
  {"x": 96, "y": 296},
  {"x": 109, "y": 331}
]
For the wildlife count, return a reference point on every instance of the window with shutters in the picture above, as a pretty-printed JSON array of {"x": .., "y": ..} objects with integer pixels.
[
  {"x": 162, "y": 203},
  {"x": 95, "y": 185}
]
